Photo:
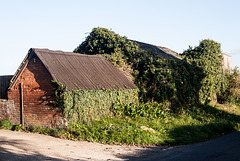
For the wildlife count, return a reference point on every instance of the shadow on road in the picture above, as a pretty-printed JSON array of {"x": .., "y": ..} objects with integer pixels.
[
  {"x": 22, "y": 154},
  {"x": 221, "y": 149}
]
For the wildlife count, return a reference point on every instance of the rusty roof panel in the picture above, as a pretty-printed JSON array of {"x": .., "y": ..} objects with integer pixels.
[{"x": 80, "y": 71}]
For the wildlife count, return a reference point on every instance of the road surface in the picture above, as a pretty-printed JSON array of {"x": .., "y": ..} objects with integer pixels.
[
  {"x": 225, "y": 148},
  {"x": 28, "y": 146}
]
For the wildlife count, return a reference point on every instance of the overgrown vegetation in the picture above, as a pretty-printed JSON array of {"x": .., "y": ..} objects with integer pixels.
[
  {"x": 167, "y": 80},
  {"x": 6, "y": 124},
  {"x": 114, "y": 47},
  {"x": 231, "y": 88},
  {"x": 195, "y": 79},
  {"x": 198, "y": 123},
  {"x": 80, "y": 106},
  {"x": 207, "y": 57},
  {"x": 167, "y": 87},
  {"x": 147, "y": 110},
  {"x": 174, "y": 97},
  {"x": 87, "y": 105}
]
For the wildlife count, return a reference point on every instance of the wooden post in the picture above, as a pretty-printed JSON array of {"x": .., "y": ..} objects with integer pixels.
[{"x": 21, "y": 103}]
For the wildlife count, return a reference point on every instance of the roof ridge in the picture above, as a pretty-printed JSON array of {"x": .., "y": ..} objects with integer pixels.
[
  {"x": 163, "y": 51},
  {"x": 77, "y": 71},
  {"x": 60, "y": 52}
]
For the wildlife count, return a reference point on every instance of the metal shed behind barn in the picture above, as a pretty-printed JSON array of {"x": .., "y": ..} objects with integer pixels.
[
  {"x": 4, "y": 83},
  {"x": 162, "y": 51}
]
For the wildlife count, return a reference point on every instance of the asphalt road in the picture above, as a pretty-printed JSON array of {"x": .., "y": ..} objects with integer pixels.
[
  {"x": 225, "y": 148},
  {"x": 28, "y": 146}
]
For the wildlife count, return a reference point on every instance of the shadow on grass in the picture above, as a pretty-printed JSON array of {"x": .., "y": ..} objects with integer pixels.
[
  {"x": 221, "y": 123},
  {"x": 15, "y": 150}
]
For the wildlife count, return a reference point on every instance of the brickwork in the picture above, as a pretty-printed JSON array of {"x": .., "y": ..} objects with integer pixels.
[
  {"x": 8, "y": 110},
  {"x": 38, "y": 95}
]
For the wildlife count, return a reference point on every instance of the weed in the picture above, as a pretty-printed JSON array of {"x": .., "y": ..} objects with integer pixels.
[
  {"x": 17, "y": 127},
  {"x": 6, "y": 124}
]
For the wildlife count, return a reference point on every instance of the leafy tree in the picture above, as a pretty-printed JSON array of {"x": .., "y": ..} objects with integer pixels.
[
  {"x": 230, "y": 91},
  {"x": 207, "y": 56},
  {"x": 153, "y": 76},
  {"x": 114, "y": 47},
  {"x": 195, "y": 78},
  {"x": 168, "y": 80}
]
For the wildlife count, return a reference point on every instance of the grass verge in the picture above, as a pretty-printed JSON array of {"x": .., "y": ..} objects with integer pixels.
[{"x": 193, "y": 125}]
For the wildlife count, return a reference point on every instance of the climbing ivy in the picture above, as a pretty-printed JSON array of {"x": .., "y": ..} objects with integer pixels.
[
  {"x": 60, "y": 90},
  {"x": 86, "y": 105},
  {"x": 162, "y": 80},
  {"x": 230, "y": 88},
  {"x": 207, "y": 56},
  {"x": 112, "y": 46},
  {"x": 195, "y": 79}
]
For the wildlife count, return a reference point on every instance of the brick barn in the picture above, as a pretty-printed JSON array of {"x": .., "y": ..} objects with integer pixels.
[{"x": 31, "y": 91}]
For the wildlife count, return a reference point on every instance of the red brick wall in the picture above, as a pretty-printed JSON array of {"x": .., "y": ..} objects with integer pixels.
[
  {"x": 9, "y": 111},
  {"x": 38, "y": 95}
]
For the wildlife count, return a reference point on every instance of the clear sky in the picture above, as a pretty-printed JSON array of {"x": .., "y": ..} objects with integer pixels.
[{"x": 64, "y": 24}]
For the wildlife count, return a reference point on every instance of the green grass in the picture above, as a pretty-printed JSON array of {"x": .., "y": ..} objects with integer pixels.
[{"x": 196, "y": 124}]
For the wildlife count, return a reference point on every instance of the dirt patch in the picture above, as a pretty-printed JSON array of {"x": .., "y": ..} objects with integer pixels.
[{"x": 29, "y": 146}]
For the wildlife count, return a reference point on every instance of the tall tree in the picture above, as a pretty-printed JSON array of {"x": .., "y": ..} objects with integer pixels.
[
  {"x": 114, "y": 47},
  {"x": 207, "y": 56}
]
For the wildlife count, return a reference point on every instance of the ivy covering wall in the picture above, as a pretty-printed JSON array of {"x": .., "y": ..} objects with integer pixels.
[{"x": 87, "y": 105}]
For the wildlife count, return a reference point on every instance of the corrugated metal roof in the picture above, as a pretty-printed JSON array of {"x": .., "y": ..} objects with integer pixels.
[
  {"x": 4, "y": 83},
  {"x": 162, "y": 51},
  {"x": 80, "y": 71}
]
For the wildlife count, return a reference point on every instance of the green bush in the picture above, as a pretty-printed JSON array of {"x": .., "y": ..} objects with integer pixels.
[
  {"x": 112, "y": 46},
  {"x": 230, "y": 89},
  {"x": 17, "y": 127},
  {"x": 6, "y": 124},
  {"x": 196, "y": 78},
  {"x": 147, "y": 110},
  {"x": 167, "y": 80},
  {"x": 207, "y": 56}
]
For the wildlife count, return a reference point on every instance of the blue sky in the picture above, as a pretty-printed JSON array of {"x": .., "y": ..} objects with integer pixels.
[{"x": 64, "y": 24}]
